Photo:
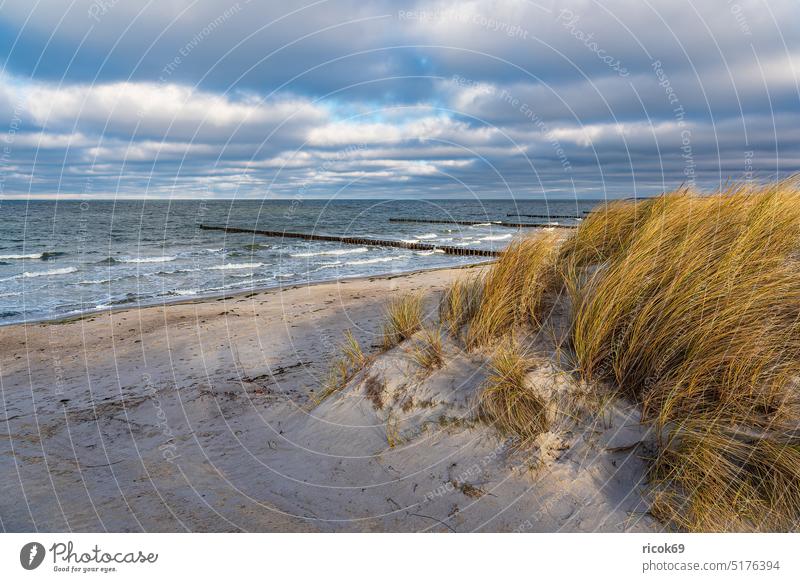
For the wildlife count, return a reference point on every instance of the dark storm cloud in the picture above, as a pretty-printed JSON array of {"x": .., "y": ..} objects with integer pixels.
[{"x": 491, "y": 97}]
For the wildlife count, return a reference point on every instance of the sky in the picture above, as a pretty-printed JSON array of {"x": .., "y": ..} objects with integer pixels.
[{"x": 376, "y": 99}]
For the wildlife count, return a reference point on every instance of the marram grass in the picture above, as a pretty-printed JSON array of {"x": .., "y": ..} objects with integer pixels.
[
  {"x": 514, "y": 289},
  {"x": 507, "y": 401},
  {"x": 403, "y": 319},
  {"x": 344, "y": 367},
  {"x": 429, "y": 352},
  {"x": 691, "y": 304}
]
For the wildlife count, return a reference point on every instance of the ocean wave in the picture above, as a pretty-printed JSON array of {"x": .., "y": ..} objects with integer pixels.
[
  {"x": 104, "y": 281},
  {"x": 166, "y": 259},
  {"x": 427, "y": 236},
  {"x": 371, "y": 261},
  {"x": 410, "y": 241},
  {"x": 336, "y": 252},
  {"x": 236, "y": 266},
  {"x": 50, "y": 273},
  {"x": 497, "y": 237},
  {"x": 61, "y": 271},
  {"x": 328, "y": 265},
  {"x": 20, "y": 257},
  {"x": 10, "y": 294},
  {"x": 176, "y": 272}
]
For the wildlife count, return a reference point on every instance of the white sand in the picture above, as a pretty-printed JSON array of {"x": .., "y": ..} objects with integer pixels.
[{"x": 198, "y": 416}]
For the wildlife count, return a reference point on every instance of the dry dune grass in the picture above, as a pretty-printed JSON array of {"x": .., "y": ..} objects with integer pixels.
[
  {"x": 717, "y": 481},
  {"x": 699, "y": 313},
  {"x": 403, "y": 319},
  {"x": 429, "y": 353},
  {"x": 460, "y": 302},
  {"x": 507, "y": 401},
  {"x": 344, "y": 367},
  {"x": 514, "y": 288},
  {"x": 693, "y": 312}
]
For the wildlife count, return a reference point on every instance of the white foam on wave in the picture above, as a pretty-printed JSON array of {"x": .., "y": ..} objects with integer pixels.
[
  {"x": 426, "y": 236},
  {"x": 371, "y": 261},
  {"x": 52, "y": 272},
  {"x": 184, "y": 292},
  {"x": 329, "y": 265},
  {"x": 336, "y": 252},
  {"x": 410, "y": 241},
  {"x": 498, "y": 237},
  {"x": 148, "y": 260},
  {"x": 20, "y": 257},
  {"x": 481, "y": 224},
  {"x": 236, "y": 266},
  {"x": 11, "y": 294}
]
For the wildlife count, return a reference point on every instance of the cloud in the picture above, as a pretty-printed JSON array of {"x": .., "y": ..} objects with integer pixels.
[{"x": 499, "y": 97}]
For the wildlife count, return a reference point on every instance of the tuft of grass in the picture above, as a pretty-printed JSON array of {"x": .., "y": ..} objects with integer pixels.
[
  {"x": 689, "y": 304},
  {"x": 343, "y": 367},
  {"x": 460, "y": 303},
  {"x": 352, "y": 352},
  {"x": 712, "y": 479},
  {"x": 514, "y": 288},
  {"x": 403, "y": 319},
  {"x": 506, "y": 401},
  {"x": 429, "y": 353}
]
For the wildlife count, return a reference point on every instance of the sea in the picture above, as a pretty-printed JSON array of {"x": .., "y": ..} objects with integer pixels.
[{"x": 67, "y": 258}]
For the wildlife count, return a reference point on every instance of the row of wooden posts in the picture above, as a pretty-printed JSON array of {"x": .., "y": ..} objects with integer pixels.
[{"x": 415, "y": 246}]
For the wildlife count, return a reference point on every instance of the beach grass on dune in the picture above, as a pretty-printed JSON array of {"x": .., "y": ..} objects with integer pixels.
[
  {"x": 699, "y": 312},
  {"x": 429, "y": 353},
  {"x": 344, "y": 367},
  {"x": 403, "y": 319},
  {"x": 712, "y": 479},
  {"x": 506, "y": 401},
  {"x": 514, "y": 288},
  {"x": 460, "y": 302},
  {"x": 691, "y": 305}
]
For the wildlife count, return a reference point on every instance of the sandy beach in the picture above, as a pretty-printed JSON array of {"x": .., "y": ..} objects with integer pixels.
[{"x": 200, "y": 416}]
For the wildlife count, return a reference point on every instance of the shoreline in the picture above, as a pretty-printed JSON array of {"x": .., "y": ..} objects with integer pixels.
[{"x": 201, "y": 298}]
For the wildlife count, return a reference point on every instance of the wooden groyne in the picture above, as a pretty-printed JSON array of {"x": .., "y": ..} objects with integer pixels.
[
  {"x": 355, "y": 240},
  {"x": 573, "y": 217},
  {"x": 482, "y": 222}
]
